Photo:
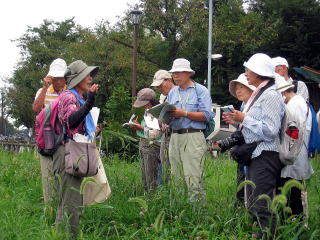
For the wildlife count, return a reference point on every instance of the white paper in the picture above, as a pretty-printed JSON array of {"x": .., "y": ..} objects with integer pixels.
[
  {"x": 130, "y": 121},
  {"x": 95, "y": 112},
  {"x": 152, "y": 122},
  {"x": 81, "y": 138}
]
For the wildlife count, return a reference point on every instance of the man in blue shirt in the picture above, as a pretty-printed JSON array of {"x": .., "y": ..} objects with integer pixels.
[{"x": 187, "y": 144}]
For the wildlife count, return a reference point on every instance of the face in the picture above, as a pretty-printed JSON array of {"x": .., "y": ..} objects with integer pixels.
[
  {"x": 58, "y": 83},
  {"x": 243, "y": 93},
  {"x": 252, "y": 77},
  {"x": 85, "y": 84},
  {"x": 147, "y": 106},
  {"x": 165, "y": 86},
  {"x": 180, "y": 78},
  {"x": 281, "y": 69},
  {"x": 285, "y": 97}
]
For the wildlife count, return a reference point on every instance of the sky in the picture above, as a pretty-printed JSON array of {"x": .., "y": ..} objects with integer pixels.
[{"x": 17, "y": 15}]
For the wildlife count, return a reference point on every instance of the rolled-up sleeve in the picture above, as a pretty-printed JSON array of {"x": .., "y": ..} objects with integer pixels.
[{"x": 205, "y": 103}]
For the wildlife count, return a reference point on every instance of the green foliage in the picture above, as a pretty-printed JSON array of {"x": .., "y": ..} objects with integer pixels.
[{"x": 117, "y": 218}]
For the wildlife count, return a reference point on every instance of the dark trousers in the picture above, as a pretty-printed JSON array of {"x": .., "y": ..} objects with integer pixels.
[
  {"x": 240, "y": 179},
  {"x": 294, "y": 198},
  {"x": 264, "y": 171}
]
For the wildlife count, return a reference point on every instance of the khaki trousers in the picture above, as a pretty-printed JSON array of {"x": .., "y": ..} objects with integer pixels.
[
  {"x": 69, "y": 197},
  {"x": 186, "y": 154},
  {"x": 48, "y": 185}
]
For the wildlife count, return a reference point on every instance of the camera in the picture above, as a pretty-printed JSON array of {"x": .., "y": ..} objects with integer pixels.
[{"x": 236, "y": 138}]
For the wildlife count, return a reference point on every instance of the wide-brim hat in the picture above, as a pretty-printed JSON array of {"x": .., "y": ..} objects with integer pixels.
[
  {"x": 181, "y": 65},
  {"x": 260, "y": 64},
  {"x": 77, "y": 71},
  {"x": 159, "y": 77},
  {"x": 242, "y": 79},
  {"x": 282, "y": 84},
  {"x": 144, "y": 96},
  {"x": 280, "y": 61}
]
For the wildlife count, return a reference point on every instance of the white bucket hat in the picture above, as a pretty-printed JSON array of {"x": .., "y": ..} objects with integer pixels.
[
  {"x": 277, "y": 61},
  {"x": 159, "y": 77},
  {"x": 57, "y": 68},
  {"x": 181, "y": 65},
  {"x": 241, "y": 79},
  {"x": 260, "y": 64},
  {"x": 282, "y": 84}
]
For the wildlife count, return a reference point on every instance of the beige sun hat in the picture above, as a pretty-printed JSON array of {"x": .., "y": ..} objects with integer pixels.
[
  {"x": 241, "y": 79},
  {"x": 57, "y": 68},
  {"x": 77, "y": 71},
  {"x": 144, "y": 96},
  {"x": 181, "y": 65},
  {"x": 159, "y": 77},
  {"x": 282, "y": 84}
]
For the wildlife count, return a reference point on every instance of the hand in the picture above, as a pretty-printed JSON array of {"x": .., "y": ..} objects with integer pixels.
[
  {"x": 226, "y": 118},
  {"x": 178, "y": 113},
  {"x": 164, "y": 127},
  {"x": 47, "y": 81},
  {"x": 136, "y": 126},
  {"x": 236, "y": 116},
  {"x": 98, "y": 130},
  {"x": 94, "y": 88}
]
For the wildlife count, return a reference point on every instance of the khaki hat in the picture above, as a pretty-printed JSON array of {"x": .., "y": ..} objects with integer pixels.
[
  {"x": 159, "y": 77},
  {"x": 77, "y": 71},
  {"x": 57, "y": 68},
  {"x": 144, "y": 97},
  {"x": 181, "y": 65},
  {"x": 241, "y": 79}
]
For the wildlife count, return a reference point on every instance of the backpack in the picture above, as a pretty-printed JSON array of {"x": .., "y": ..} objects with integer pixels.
[
  {"x": 291, "y": 137},
  {"x": 210, "y": 124},
  {"x": 314, "y": 141},
  {"x": 49, "y": 131}
]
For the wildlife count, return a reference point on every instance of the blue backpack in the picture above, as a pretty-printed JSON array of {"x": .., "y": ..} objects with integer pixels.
[{"x": 314, "y": 142}]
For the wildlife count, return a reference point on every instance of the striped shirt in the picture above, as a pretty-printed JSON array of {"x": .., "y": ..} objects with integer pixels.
[
  {"x": 263, "y": 121},
  {"x": 51, "y": 95}
]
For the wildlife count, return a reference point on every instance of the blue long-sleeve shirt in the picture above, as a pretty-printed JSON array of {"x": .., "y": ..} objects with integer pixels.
[{"x": 195, "y": 98}]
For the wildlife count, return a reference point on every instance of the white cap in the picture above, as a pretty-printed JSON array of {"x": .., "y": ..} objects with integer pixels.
[
  {"x": 282, "y": 84},
  {"x": 241, "y": 79},
  {"x": 181, "y": 65},
  {"x": 277, "y": 61},
  {"x": 57, "y": 68},
  {"x": 260, "y": 64}
]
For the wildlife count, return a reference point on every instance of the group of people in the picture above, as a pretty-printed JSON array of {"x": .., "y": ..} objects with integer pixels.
[{"x": 178, "y": 148}]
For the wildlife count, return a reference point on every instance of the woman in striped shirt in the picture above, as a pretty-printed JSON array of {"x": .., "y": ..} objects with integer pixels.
[{"x": 261, "y": 123}]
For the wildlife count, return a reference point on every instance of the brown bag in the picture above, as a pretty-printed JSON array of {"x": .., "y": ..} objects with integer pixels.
[{"x": 81, "y": 159}]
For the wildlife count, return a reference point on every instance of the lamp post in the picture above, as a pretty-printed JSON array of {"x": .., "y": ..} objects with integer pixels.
[
  {"x": 210, "y": 45},
  {"x": 2, "y": 112},
  {"x": 135, "y": 15}
]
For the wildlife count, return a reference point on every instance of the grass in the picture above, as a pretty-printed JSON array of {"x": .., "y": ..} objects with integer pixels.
[{"x": 165, "y": 214}]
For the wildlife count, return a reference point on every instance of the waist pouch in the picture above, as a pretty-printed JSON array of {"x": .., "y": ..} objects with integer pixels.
[
  {"x": 242, "y": 154},
  {"x": 81, "y": 159}
]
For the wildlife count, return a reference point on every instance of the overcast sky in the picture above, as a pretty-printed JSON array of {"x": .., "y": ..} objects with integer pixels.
[{"x": 16, "y": 15}]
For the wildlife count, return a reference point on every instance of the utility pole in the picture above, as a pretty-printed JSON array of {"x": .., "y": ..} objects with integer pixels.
[
  {"x": 2, "y": 112},
  {"x": 210, "y": 45}
]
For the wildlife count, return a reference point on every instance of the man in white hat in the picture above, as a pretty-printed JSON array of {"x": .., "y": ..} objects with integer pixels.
[
  {"x": 187, "y": 144},
  {"x": 163, "y": 82},
  {"x": 53, "y": 84},
  {"x": 281, "y": 67},
  {"x": 297, "y": 111}
]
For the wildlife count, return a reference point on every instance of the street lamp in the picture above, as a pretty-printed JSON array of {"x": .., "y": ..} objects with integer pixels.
[{"x": 136, "y": 16}]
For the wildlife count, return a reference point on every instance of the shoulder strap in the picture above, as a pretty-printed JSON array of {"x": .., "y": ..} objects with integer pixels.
[
  {"x": 295, "y": 83},
  {"x": 270, "y": 83}
]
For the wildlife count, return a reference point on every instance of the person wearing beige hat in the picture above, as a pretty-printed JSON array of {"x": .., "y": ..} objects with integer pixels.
[
  {"x": 282, "y": 67},
  {"x": 74, "y": 114},
  {"x": 297, "y": 110},
  {"x": 53, "y": 84},
  {"x": 242, "y": 90},
  {"x": 163, "y": 82},
  {"x": 149, "y": 144},
  {"x": 187, "y": 145}
]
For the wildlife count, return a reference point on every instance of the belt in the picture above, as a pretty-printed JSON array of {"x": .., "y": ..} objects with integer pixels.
[{"x": 186, "y": 130}]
